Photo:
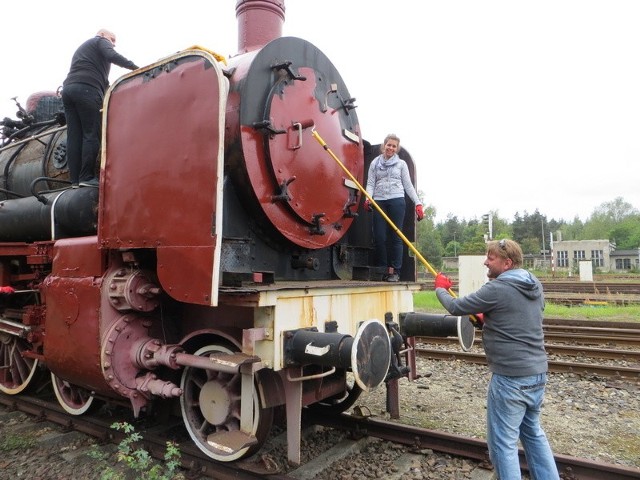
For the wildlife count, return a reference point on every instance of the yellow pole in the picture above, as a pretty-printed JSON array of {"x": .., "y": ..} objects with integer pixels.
[{"x": 418, "y": 255}]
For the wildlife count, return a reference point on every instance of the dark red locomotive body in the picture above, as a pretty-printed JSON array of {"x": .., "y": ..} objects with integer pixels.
[{"x": 221, "y": 264}]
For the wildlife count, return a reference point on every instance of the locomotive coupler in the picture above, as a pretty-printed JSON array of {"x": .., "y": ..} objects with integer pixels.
[{"x": 397, "y": 368}]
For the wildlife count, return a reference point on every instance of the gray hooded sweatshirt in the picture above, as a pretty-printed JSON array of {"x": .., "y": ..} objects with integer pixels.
[{"x": 512, "y": 336}]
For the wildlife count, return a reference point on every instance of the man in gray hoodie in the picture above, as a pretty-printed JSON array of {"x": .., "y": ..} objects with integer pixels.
[{"x": 510, "y": 306}]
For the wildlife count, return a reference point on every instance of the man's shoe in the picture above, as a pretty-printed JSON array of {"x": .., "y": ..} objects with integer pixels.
[
  {"x": 74, "y": 185},
  {"x": 90, "y": 183},
  {"x": 394, "y": 277}
]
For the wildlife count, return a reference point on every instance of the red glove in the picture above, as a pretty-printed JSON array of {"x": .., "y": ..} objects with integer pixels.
[
  {"x": 442, "y": 281},
  {"x": 480, "y": 318},
  {"x": 367, "y": 205},
  {"x": 7, "y": 290},
  {"x": 419, "y": 212}
]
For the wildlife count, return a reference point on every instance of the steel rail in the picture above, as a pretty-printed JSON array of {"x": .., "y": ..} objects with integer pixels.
[
  {"x": 568, "y": 350},
  {"x": 554, "y": 365},
  {"x": 462, "y": 446}
]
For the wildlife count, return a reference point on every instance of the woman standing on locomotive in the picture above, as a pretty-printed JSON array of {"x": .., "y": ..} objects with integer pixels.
[{"x": 387, "y": 182}]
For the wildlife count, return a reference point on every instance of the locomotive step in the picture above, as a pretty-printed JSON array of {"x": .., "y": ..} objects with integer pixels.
[
  {"x": 228, "y": 443},
  {"x": 232, "y": 360},
  {"x": 221, "y": 362}
]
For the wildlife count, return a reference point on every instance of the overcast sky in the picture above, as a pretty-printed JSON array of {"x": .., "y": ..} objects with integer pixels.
[{"x": 506, "y": 106}]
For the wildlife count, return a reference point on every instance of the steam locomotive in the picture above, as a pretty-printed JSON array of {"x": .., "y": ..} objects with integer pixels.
[{"x": 223, "y": 268}]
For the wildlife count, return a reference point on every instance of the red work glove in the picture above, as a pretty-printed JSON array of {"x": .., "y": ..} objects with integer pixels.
[
  {"x": 442, "y": 281},
  {"x": 7, "y": 290},
  {"x": 477, "y": 320},
  {"x": 419, "y": 212},
  {"x": 367, "y": 205}
]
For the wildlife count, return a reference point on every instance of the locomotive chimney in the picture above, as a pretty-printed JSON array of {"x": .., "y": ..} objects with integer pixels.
[{"x": 259, "y": 22}]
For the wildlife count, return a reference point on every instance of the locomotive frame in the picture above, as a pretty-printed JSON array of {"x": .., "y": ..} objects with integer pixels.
[{"x": 222, "y": 267}]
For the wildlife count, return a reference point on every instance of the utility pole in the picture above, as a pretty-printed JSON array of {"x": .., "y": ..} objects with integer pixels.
[
  {"x": 544, "y": 252},
  {"x": 553, "y": 257},
  {"x": 487, "y": 220},
  {"x": 455, "y": 252}
]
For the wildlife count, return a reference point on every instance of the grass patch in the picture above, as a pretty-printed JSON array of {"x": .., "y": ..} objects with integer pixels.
[
  {"x": 14, "y": 442},
  {"x": 624, "y": 446},
  {"x": 427, "y": 301},
  {"x": 614, "y": 313}
]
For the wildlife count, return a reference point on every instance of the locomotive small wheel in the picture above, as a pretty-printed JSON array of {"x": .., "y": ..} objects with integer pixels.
[
  {"x": 73, "y": 399},
  {"x": 210, "y": 403},
  {"x": 16, "y": 371},
  {"x": 340, "y": 403}
]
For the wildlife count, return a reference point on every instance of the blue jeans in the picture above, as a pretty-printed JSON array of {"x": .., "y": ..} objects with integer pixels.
[
  {"x": 82, "y": 104},
  {"x": 388, "y": 244},
  {"x": 513, "y": 412}
]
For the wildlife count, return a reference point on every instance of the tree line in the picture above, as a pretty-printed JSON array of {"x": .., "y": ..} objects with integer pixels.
[{"x": 618, "y": 221}]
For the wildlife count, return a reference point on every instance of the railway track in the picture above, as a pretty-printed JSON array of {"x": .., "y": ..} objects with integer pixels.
[
  {"x": 631, "y": 373},
  {"x": 598, "y": 287},
  {"x": 420, "y": 439},
  {"x": 360, "y": 435},
  {"x": 568, "y": 339}
]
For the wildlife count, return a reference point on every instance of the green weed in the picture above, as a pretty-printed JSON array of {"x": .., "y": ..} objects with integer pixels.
[{"x": 138, "y": 460}]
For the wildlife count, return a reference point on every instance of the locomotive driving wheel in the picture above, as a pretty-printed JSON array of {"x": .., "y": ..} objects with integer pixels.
[
  {"x": 16, "y": 370},
  {"x": 73, "y": 399},
  {"x": 211, "y": 403}
]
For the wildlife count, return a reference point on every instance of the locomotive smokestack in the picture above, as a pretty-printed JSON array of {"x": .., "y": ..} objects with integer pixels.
[{"x": 259, "y": 22}]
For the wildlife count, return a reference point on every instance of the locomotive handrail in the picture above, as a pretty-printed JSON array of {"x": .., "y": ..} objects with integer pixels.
[
  {"x": 310, "y": 377},
  {"x": 32, "y": 137},
  {"x": 11, "y": 192},
  {"x": 53, "y": 213},
  {"x": 39, "y": 195},
  {"x": 410, "y": 245}
]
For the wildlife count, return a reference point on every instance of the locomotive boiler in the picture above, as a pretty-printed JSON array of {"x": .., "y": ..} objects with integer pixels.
[{"x": 223, "y": 268}]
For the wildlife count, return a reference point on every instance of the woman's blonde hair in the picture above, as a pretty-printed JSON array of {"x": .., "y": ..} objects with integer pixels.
[{"x": 391, "y": 136}]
